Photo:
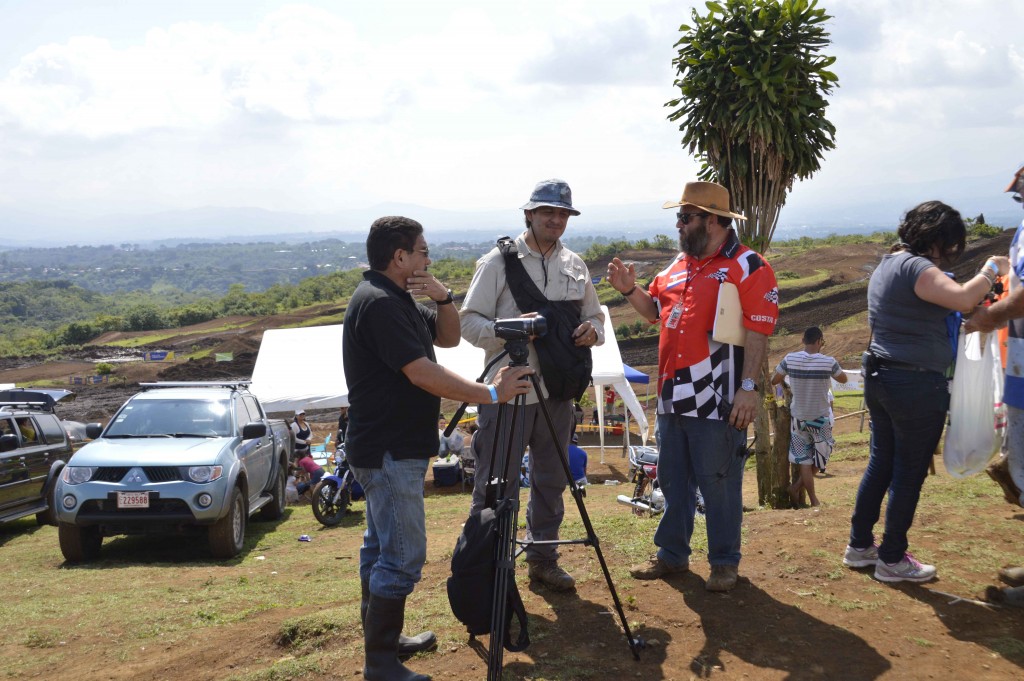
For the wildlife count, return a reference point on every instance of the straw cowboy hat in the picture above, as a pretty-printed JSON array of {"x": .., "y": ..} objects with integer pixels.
[
  {"x": 1017, "y": 183},
  {"x": 708, "y": 196}
]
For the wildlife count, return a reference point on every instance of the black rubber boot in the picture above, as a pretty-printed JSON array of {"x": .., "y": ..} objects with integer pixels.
[
  {"x": 407, "y": 645},
  {"x": 381, "y": 629}
]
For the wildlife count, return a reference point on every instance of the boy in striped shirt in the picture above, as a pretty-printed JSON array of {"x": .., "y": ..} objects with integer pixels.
[{"x": 810, "y": 443}]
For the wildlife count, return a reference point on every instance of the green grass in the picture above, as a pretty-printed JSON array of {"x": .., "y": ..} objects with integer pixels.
[
  {"x": 801, "y": 282},
  {"x": 811, "y": 296},
  {"x": 153, "y": 338}
]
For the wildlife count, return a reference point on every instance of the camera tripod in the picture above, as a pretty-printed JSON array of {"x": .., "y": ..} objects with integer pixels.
[{"x": 500, "y": 492}]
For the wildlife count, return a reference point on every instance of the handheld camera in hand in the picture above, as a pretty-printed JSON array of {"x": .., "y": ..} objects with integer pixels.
[
  {"x": 516, "y": 333},
  {"x": 501, "y": 497}
]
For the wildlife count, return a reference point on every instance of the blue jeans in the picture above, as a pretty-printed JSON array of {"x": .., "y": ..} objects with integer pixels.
[
  {"x": 395, "y": 542},
  {"x": 705, "y": 453},
  {"x": 908, "y": 410}
]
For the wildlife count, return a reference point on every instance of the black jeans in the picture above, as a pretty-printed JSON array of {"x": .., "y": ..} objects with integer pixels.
[{"x": 908, "y": 410}]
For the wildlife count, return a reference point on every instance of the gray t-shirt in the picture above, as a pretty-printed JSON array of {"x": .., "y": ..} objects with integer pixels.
[{"x": 904, "y": 327}]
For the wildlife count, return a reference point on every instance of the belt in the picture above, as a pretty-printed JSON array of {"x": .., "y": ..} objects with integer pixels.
[{"x": 904, "y": 366}]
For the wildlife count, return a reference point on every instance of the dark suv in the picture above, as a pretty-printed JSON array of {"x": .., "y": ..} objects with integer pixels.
[{"x": 33, "y": 450}]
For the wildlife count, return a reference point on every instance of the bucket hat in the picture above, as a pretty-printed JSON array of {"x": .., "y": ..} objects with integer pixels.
[
  {"x": 555, "y": 193},
  {"x": 708, "y": 196}
]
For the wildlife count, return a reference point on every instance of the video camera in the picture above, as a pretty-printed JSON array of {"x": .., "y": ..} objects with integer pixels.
[{"x": 520, "y": 328}]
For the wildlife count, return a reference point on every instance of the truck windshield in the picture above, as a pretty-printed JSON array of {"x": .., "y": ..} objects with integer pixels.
[{"x": 172, "y": 418}]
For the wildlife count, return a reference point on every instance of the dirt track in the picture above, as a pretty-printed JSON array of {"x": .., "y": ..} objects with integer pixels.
[{"x": 847, "y": 266}]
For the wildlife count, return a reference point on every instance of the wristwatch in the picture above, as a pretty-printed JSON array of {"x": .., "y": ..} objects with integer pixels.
[
  {"x": 748, "y": 385},
  {"x": 447, "y": 301}
]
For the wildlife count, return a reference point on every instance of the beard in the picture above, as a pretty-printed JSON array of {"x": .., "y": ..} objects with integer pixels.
[{"x": 694, "y": 241}]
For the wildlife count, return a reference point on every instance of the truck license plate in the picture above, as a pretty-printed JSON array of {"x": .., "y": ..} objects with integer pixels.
[{"x": 133, "y": 499}]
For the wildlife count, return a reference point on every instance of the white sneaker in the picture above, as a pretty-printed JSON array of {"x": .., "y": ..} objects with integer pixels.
[
  {"x": 860, "y": 557},
  {"x": 907, "y": 570}
]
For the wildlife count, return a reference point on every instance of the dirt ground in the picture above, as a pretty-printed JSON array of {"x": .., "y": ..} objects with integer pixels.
[{"x": 797, "y": 613}]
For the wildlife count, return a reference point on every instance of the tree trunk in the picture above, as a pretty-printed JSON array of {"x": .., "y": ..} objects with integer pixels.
[{"x": 773, "y": 474}]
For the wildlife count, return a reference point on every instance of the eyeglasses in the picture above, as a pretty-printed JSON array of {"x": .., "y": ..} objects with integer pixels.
[
  {"x": 686, "y": 217},
  {"x": 424, "y": 251}
]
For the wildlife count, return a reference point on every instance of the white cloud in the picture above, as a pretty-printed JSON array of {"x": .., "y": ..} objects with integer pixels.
[{"x": 451, "y": 103}]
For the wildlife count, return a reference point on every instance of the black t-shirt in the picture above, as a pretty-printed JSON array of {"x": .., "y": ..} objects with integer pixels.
[{"x": 385, "y": 329}]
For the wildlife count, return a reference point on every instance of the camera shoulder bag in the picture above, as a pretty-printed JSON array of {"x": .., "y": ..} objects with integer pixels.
[
  {"x": 471, "y": 586},
  {"x": 565, "y": 367}
]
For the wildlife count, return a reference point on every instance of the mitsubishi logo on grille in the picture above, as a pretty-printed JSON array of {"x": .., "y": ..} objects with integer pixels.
[{"x": 135, "y": 475}]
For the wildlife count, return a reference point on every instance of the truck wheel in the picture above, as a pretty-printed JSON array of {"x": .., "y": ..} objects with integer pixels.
[
  {"x": 227, "y": 535},
  {"x": 49, "y": 516},
  {"x": 79, "y": 544},
  {"x": 275, "y": 508}
]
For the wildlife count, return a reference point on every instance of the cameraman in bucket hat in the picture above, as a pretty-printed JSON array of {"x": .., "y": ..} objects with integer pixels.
[
  {"x": 562, "y": 282},
  {"x": 706, "y": 391}
]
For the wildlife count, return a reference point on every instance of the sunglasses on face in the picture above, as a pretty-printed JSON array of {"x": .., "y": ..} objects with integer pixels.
[{"x": 686, "y": 217}]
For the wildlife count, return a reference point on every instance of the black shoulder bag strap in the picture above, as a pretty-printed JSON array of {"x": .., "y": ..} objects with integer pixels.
[{"x": 566, "y": 368}]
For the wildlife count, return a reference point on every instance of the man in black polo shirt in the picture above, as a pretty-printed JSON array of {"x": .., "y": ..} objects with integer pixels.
[{"x": 395, "y": 386}]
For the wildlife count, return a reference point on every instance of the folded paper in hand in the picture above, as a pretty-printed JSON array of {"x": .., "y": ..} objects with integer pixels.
[{"x": 729, "y": 317}]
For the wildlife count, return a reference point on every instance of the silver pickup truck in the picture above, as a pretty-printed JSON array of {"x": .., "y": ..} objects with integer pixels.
[{"x": 177, "y": 457}]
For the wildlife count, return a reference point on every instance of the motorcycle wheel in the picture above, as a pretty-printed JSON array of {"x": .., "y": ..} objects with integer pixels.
[
  {"x": 328, "y": 510},
  {"x": 638, "y": 494}
]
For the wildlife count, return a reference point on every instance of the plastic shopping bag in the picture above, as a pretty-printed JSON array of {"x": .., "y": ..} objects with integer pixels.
[{"x": 973, "y": 437}]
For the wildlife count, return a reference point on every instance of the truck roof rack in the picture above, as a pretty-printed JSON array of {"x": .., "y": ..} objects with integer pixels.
[
  {"x": 231, "y": 385},
  {"x": 39, "y": 399}
]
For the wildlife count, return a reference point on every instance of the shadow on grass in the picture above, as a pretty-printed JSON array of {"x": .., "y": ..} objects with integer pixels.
[
  {"x": 23, "y": 527},
  {"x": 190, "y": 546},
  {"x": 751, "y": 625},
  {"x": 998, "y": 629},
  {"x": 583, "y": 640}
]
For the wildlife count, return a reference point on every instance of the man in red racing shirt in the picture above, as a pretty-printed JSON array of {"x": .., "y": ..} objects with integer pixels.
[{"x": 706, "y": 391}]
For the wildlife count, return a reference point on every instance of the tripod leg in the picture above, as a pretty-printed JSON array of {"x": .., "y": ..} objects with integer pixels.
[
  {"x": 577, "y": 494},
  {"x": 506, "y": 505}
]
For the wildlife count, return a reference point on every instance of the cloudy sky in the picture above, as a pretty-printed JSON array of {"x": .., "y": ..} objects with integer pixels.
[{"x": 137, "y": 107}]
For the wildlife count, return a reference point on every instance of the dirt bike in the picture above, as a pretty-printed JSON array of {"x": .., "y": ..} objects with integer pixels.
[
  {"x": 335, "y": 492},
  {"x": 647, "y": 498}
]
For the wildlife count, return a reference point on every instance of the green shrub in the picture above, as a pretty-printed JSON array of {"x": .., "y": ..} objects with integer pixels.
[{"x": 104, "y": 368}]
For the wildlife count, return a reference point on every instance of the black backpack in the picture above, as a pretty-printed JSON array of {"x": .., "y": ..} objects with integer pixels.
[
  {"x": 566, "y": 368},
  {"x": 471, "y": 586}
]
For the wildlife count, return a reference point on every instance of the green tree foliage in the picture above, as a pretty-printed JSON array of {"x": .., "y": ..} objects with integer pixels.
[{"x": 752, "y": 84}]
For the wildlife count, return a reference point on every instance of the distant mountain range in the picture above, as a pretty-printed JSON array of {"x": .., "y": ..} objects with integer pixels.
[{"x": 860, "y": 209}]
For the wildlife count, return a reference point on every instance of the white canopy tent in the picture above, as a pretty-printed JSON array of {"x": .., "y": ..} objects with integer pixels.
[
  {"x": 302, "y": 368},
  {"x": 608, "y": 370}
]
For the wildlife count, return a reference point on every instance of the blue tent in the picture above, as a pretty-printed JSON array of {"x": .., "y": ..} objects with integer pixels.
[{"x": 634, "y": 376}]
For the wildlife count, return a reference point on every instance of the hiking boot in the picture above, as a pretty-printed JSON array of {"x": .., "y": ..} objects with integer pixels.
[
  {"x": 907, "y": 570},
  {"x": 860, "y": 557},
  {"x": 723, "y": 578},
  {"x": 1000, "y": 472},
  {"x": 548, "y": 573},
  {"x": 656, "y": 568},
  {"x": 1014, "y": 576},
  {"x": 1011, "y": 596}
]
